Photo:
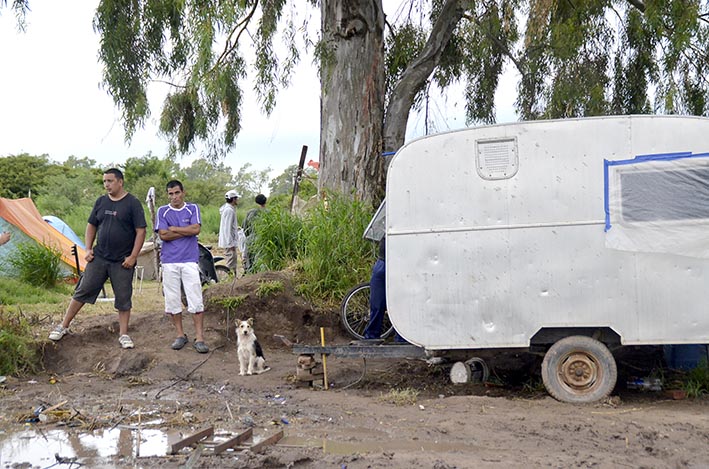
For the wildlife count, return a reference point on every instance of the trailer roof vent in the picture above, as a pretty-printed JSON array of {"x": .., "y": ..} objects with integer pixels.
[{"x": 497, "y": 158}]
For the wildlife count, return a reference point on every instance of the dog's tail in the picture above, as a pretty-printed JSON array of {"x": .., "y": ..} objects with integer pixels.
[{"x": 265, "y": 369}]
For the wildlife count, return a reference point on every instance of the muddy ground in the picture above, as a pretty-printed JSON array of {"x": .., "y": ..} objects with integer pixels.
[{"x": 400, "y": 414}]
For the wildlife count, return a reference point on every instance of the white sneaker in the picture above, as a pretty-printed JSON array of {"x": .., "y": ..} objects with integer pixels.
[
  {"x": 58, "y": 333},
  {"x": 125, "y": 341}
]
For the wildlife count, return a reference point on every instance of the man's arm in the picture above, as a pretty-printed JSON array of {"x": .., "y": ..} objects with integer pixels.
[
  {"x": 90, "y": 237},
  {"x": 174, "y": 232},
  {"x": 131, "y": 260}
]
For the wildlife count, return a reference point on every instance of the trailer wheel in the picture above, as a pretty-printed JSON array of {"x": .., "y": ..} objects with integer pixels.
[{"x": 579, "y": 369}]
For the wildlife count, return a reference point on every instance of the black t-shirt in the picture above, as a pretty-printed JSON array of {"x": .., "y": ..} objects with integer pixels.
[
  {"x": 116, "y": 222},
  {"x": 382, "y": 249}
]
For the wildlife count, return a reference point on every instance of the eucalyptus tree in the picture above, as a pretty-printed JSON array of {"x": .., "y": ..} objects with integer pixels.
[{"x": 574, "y": 58}]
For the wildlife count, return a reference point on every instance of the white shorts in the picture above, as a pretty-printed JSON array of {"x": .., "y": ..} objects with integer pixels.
[{"x": 182, "y": 273}]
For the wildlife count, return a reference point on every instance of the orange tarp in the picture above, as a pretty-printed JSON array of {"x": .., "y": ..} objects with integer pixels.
[{"x": 23, "y": 214}]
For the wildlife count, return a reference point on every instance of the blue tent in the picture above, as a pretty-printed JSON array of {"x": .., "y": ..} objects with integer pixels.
[{"x": 59, "y": 225}]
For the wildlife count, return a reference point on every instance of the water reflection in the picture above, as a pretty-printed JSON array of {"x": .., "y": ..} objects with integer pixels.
[{"x": 39, "y": 447}]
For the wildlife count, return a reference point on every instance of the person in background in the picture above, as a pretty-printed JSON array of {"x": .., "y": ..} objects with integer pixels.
[
  {"x": 4, "y": 237},
  {"x": 378, "y": 298},
  {"x": 178, "y": 225},
  {"x": 228, "y": 230},
  {"x": 251, "y": 215},
  {"x": 117, "y": 224}
]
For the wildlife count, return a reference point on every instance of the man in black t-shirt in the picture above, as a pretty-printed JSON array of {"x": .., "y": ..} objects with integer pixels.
[{"x": 119, "y": 221}]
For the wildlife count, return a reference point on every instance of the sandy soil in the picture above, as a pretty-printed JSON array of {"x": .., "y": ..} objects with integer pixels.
[{"x": 358, "y": 423}]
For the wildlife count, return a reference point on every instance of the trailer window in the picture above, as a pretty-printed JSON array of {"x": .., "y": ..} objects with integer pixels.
[
  {"x": 496, "y": 158},
  {"x": 650, "y": 196}
]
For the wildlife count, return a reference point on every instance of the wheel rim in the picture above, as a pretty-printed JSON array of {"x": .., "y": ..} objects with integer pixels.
[
  {"x": 357, "y": 308},
  {"x": 355, "y": 313},
  {"x": 579, "y": 372}
]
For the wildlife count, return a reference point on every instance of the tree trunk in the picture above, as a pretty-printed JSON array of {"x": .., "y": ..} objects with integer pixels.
[
  {"x": 417, "y": 73},
  {"x": 352, "y": 102}
]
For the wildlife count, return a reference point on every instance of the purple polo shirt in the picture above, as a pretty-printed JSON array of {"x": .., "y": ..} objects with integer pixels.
[{"x": 181, "y": 249}]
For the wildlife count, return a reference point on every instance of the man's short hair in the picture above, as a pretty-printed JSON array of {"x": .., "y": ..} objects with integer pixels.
[
  {"x": 116, "y": 172},
  {"x": 260, "y": 199},
  {"x": 174, "y": 183}
]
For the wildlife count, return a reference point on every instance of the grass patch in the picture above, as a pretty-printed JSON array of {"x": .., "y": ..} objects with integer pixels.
[
  {"x": 266, "y": 289},
  {"x": 400, "y": 397},
  {"x": 696, "y": 382},
  {"x": 19, "y": 349},
  {"x": 230, "y": 302},
  {"x": 13, "y": 291}
]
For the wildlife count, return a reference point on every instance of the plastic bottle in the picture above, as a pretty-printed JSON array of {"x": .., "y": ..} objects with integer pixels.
[{"x": 645, "y": 384}]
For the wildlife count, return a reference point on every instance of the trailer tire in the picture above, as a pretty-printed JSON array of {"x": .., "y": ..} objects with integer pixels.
[{"x": 579, "y": 369}]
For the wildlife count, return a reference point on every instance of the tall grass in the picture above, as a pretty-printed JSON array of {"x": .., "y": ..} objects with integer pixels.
[
  {"x": 335, "y": 256},
  {"x": 278, "y": 240},
  {"x": 326, "y": 246},
  {"x": 36, "y": 264}
]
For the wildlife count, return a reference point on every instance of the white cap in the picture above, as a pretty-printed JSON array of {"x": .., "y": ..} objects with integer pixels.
[{"x": 231, "y": 194}]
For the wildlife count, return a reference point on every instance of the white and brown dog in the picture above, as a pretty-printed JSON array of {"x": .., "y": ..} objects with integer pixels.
[{"x": 251, "y": 359}]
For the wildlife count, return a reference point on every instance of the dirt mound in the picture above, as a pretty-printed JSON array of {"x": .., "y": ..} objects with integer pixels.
[
  {"x": 269, "y": 298},
  {"x": 277, "y": 309}
]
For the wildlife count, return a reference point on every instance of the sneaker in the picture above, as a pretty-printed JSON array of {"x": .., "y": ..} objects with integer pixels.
[
  {"x": 125, "y": 341},
  {"x": 58, "y": 333},
  {"x": 201, "y": 347},
  {"x": 179, "y": 342}
]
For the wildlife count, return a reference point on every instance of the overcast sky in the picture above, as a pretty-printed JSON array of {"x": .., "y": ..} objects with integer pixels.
[{"x": 51, "y": 101}]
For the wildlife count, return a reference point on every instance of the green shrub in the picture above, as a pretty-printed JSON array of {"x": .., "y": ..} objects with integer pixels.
[
  {"x": 19, "y": 350},
  {"x": 278, "y": 239},
  {"x": 36, "y": 264},
  {"x": 336, "y": 257}
]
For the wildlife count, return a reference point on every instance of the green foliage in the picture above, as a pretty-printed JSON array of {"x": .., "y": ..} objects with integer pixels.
[
  {"x": 278, "y": 239},
  {"x": 696, "y": 382},
  {"x": 248, "y": 183},
  {"x": 19, "y": 350},
  {"x": 230, "y": 302},
  {"x": 266, "y": 289},
  {"x": 326, "y": 244},
  {"x": 36, "y": 264},
  {"x": 283, "y": 183},
  {"x": 210, "y": 224},
  {"x": 22, "y": 175},
  {"x": 197, "y": 45},
  {"x": 335, "y": 256}
]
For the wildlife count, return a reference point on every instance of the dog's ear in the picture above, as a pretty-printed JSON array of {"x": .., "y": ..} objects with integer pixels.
[{"x": 250, "y": 321}]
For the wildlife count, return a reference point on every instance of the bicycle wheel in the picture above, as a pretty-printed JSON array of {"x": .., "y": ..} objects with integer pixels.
[{"x": 354, "y": 312}]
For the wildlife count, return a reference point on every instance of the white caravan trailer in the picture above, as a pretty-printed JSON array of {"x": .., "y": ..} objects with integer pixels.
[{"x": 573, "y": 235}]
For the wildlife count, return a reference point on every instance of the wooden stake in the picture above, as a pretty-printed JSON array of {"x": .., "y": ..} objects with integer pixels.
[{"x": 324, "y": 357}]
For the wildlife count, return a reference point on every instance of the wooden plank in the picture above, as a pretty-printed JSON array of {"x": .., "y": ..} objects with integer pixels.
[
  {"x": 205, "y": 432},
  {"x": 271, "y": 440},
  {"x": 237, "y": 440}
]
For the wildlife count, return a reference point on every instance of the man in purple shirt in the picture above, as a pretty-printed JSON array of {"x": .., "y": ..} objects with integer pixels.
[{"x": 178, "y": 225}]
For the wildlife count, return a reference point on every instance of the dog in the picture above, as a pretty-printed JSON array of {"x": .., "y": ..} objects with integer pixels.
[{"x": 251, "y": 359}]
